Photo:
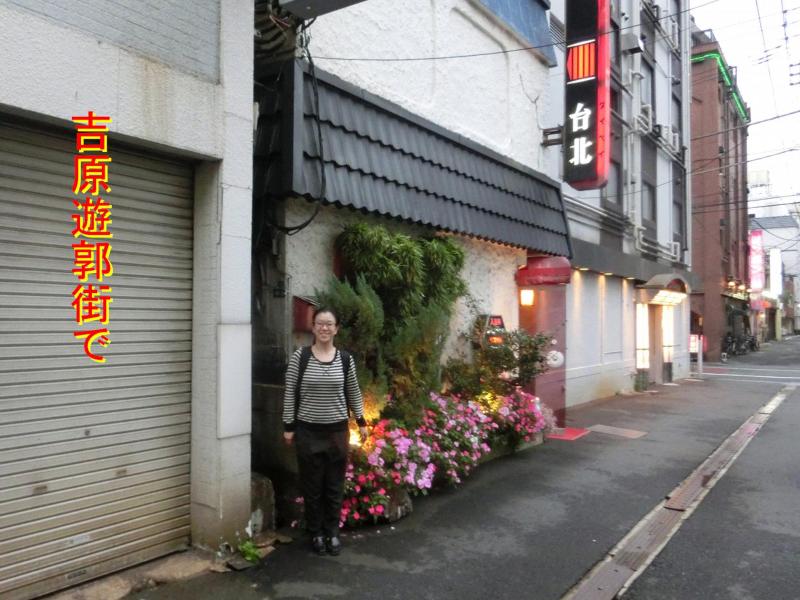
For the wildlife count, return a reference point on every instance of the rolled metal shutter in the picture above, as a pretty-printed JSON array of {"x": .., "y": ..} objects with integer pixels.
[{"x": 94, "y": 458}]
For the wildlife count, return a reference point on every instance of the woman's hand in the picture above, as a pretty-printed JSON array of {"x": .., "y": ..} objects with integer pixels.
[
  {"x": 288, "y": 437},
  {"x": 364, "y": 432}
]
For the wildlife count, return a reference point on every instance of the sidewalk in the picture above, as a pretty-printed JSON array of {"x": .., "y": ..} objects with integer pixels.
[{"x": 526, "y": 526}]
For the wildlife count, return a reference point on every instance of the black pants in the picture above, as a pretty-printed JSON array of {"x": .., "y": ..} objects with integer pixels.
[{"x": 322, "y": 461}]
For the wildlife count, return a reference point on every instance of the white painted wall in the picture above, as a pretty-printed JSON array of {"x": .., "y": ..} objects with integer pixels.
[
  {"x": 51, "y": 72},
  {"x": 494, "y": 100},
  {"x": 600, "y": 337}
]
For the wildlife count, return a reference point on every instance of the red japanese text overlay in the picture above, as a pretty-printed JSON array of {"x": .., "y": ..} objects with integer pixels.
[{"x": 92, "y": 266}]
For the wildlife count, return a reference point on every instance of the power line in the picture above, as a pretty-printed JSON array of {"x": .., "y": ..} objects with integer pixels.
[
  {"x": 700, "y": 137},
  {"x": 712, "y": 208},
  {"x": 766, "y": 53}
]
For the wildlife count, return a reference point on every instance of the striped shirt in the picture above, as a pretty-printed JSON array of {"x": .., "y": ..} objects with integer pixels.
[{"x": 323, "y": 401}]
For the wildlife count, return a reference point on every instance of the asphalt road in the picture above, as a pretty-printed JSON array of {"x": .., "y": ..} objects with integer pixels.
[
  {"x": 533, "y": 524},
  {"x": 743, "y": 541}
]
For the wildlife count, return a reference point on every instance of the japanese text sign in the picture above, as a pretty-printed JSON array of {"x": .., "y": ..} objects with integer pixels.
[
  {"x": 587, "y": 96},
  {"x": 91, "y": 254}
]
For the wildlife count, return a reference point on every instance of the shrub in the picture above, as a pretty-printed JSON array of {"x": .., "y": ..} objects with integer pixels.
[
  {"x": 457, "y": 432},
  {"x": 416, "y": 282},
  {"x": 500, "y": 369},
  {"x": 520, "y": 417}
]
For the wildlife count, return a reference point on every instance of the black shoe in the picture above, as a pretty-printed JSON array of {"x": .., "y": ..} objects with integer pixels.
[
  {"x": 334, "y": 545},
  {"x": 318, "y": 545}
]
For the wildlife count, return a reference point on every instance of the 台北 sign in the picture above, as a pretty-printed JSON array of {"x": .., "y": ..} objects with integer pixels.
[{"x": 587, "y": 120}]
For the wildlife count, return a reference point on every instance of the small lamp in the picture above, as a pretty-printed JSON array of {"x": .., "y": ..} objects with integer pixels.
[{"x": 526, "y": 297}]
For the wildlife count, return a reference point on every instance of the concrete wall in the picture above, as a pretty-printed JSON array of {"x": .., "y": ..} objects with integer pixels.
[
  {"x": 182, "y": 34},
  {"x": 50, "y": 72}
]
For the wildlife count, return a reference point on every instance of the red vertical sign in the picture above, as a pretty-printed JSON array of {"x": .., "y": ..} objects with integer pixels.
[{"x": 587, "y": 123}]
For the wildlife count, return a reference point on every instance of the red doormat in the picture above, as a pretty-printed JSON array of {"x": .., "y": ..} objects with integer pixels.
[{"x": 570, "y": 434}]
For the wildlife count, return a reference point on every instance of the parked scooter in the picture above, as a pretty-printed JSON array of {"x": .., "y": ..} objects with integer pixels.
[
  {"x": 728, "y": 347},
  {"x": 752, "y": 343},
  {"x": 737, "y": 346}
]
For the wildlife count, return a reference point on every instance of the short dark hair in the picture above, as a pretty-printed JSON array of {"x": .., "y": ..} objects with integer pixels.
[{"x": 325, "y": 309}]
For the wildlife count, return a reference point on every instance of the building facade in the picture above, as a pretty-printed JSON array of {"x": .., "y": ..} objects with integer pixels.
[
  {"x": 631, "y": 239},
  {"x": 720, "y": 306},
  {"x": 107, "y": 465},
  {"x": 775, "y": 305},
  {"x": 444, "y": 147}
]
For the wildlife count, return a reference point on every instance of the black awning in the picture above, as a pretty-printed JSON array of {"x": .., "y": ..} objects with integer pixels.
[{"x": 380, "y": 158}]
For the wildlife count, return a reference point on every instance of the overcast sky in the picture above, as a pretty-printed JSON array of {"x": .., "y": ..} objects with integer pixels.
[{"x": 764, "y": 69}]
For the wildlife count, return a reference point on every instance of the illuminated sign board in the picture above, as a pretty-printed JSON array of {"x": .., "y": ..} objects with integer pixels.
[
  {"x": 587, "y": 122},
  {"x": 756, "y": 260}
]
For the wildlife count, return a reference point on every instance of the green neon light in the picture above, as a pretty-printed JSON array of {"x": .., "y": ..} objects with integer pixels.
[{"x": 723, "y": 68}]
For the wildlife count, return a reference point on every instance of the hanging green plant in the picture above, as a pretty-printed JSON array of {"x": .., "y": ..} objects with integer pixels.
[{"x": 417, "y": 282}]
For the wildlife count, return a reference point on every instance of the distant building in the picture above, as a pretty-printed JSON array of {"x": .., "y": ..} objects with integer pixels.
[
  {"x": 720, "y": 306},
  {"x": 777, "y": 308}
]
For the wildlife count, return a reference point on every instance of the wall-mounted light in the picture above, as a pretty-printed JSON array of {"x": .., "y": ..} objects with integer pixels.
[
  {"x": 742, "y": 287},
  {"x": 668, "y": 298},
  {"x": 731, "y": 283},
  {"x": 526, "y": 297},
  {"x": 608, "y": 274},
  {"x": 583, "y": 268}
]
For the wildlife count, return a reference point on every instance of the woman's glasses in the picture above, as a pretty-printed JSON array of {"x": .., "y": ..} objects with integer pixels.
[{"x": 325, "y": 325}]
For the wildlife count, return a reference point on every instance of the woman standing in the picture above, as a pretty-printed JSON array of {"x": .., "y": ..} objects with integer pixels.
[{"x": 321, "y": 386}]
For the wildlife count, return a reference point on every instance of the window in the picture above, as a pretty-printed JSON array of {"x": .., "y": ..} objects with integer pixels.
[
  {"x": 648, "y": 202},
  {"x": 648, "y": 27},
  {"x": 648, "y": 81},
  {"x": 649, "y": 180},
  {"x": 677, "y": 219},
  {"x": 676, "y": 116},
  {"x": 614, "y": 48},
  {"x": 612, "y": 193},
  {"x": 678, "y": 203},
  {"x": 529, "y": 20},
  {"x": 613, "y": 190}
]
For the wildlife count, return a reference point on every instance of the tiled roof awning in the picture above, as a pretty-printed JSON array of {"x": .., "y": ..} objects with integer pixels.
[{"x": 379, "y": 158}]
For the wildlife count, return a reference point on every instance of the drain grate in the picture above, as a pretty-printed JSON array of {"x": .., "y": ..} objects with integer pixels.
[{"x": 604, "y": 583}]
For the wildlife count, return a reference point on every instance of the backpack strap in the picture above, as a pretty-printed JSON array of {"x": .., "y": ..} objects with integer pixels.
[
  {"x": 346, "y": 358},
  {"x": 305, "y": 356}
]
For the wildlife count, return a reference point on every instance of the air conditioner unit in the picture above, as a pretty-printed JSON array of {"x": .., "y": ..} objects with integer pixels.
[
  {"x": 631, "y": 43},
  {"x": 675, "y": 141},
  {"x": 644, "y": 122},
  {"x": 675, "y": 249}
]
